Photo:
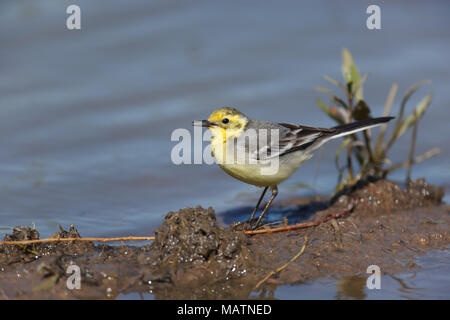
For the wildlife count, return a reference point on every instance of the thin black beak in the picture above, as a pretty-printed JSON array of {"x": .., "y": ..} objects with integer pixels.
[{"x": 202, "y": 123}]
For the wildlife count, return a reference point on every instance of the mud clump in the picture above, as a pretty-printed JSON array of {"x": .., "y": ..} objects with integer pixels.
[
  {"x": 190, "y": 243},
  {"x": 29, "y": 252},
  {"x": 424, "y": 193},
  {"x": 72, "y": 233},
  {"x": 383, "y": 196},
  {"x": 15, "y": 253},
  {"x": 22, "y": 233},
  {"x": 40, "y": 270}
]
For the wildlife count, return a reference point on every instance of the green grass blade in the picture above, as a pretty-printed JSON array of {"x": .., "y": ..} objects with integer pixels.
[{"x": 387, "y": 110}]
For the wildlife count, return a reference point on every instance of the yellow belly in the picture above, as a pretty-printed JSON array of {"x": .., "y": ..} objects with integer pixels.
[
  {"x": 259, "y": 174},
  {"x": 253, "y": 173}
]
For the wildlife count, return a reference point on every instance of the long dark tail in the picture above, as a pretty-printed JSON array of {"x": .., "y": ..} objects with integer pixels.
[
  {"x": 346, "y": 129},
  {"x": 321, "y": 135}
]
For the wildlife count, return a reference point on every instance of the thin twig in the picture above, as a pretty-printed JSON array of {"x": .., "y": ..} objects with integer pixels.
[
  {"x": 76, "y": 239},
  {"x": 368, "y": 145},
  {"x": 337, "y": 234},
  {"x": 387, "y": 111},
  {"x": 427, "y": 155},
  {"x": 408, "y": 95},
  {"x": 301, "y": 225},
  {"x": 249, "y": 232},
  {"x": 338, "y": 84},
  {"x": 405, "y": 99},
  {"x": 283, "y": 266},
  {"x": 351, "y": 176},
  {"x": 413, "y": 145}
]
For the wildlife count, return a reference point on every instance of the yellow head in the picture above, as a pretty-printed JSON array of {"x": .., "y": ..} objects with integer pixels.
[{"x": 226, "y": 123}]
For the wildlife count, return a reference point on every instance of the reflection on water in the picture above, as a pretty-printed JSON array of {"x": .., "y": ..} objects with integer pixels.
[
  {"x": 293, "y": 213},
  {"x": 431, "y": 282},
  {"x": 352, "y": 287},
  {"x": 86, "y": 116}
]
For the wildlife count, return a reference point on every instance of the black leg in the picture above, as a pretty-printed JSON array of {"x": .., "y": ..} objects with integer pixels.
[
  {"x": 274, "y": 194},
  {"x": 257, "y": 205}
]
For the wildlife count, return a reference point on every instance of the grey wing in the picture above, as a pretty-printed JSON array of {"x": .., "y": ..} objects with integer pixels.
[
  {"x": 260, "y": 140},
  {"x": 275, "y": 140},
  {"x": 302, "y": 138}
]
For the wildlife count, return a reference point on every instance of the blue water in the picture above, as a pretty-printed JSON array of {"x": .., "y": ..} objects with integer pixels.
[
  {"x": 430, "y": 283},
  {"x": 86, "y": 116}
]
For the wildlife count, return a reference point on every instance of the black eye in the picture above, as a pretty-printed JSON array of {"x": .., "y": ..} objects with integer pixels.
[{"x": 225, "y": 120}]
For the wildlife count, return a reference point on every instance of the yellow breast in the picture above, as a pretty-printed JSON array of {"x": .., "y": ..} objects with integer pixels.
[{"x": 255, "y": 173}]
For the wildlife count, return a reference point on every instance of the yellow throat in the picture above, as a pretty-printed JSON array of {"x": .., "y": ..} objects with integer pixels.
[{"x": 228, "y": 123}]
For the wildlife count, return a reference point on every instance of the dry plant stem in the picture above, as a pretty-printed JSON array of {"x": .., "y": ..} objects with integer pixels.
[
  {"x": 355, "y": 143},
  {"x": 249, "y": 232},
  {"x": 336, "y": 83},
  {"x": 411, "y": 149},
  {"x": 400, "y": 115},
  {"x": 387, "y": 110},
  {"x": 368, "y": 145},
  {"x": 427, "y": 155},
  {"x": 283, "y": 266},
  {"x": 351, "y": 176},
  {"x": 349, "y": 147},
  {"x": 408, "y": 95},
  {"x": 301, "y": 225},
  {"x": 76, "y": 239}
]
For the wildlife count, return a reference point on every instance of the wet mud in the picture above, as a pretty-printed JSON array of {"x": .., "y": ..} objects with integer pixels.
[{"x": 193, "y": 257}]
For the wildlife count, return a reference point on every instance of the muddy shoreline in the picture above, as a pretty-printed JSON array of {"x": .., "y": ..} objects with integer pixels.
[{"x": 195, "y": 258}]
